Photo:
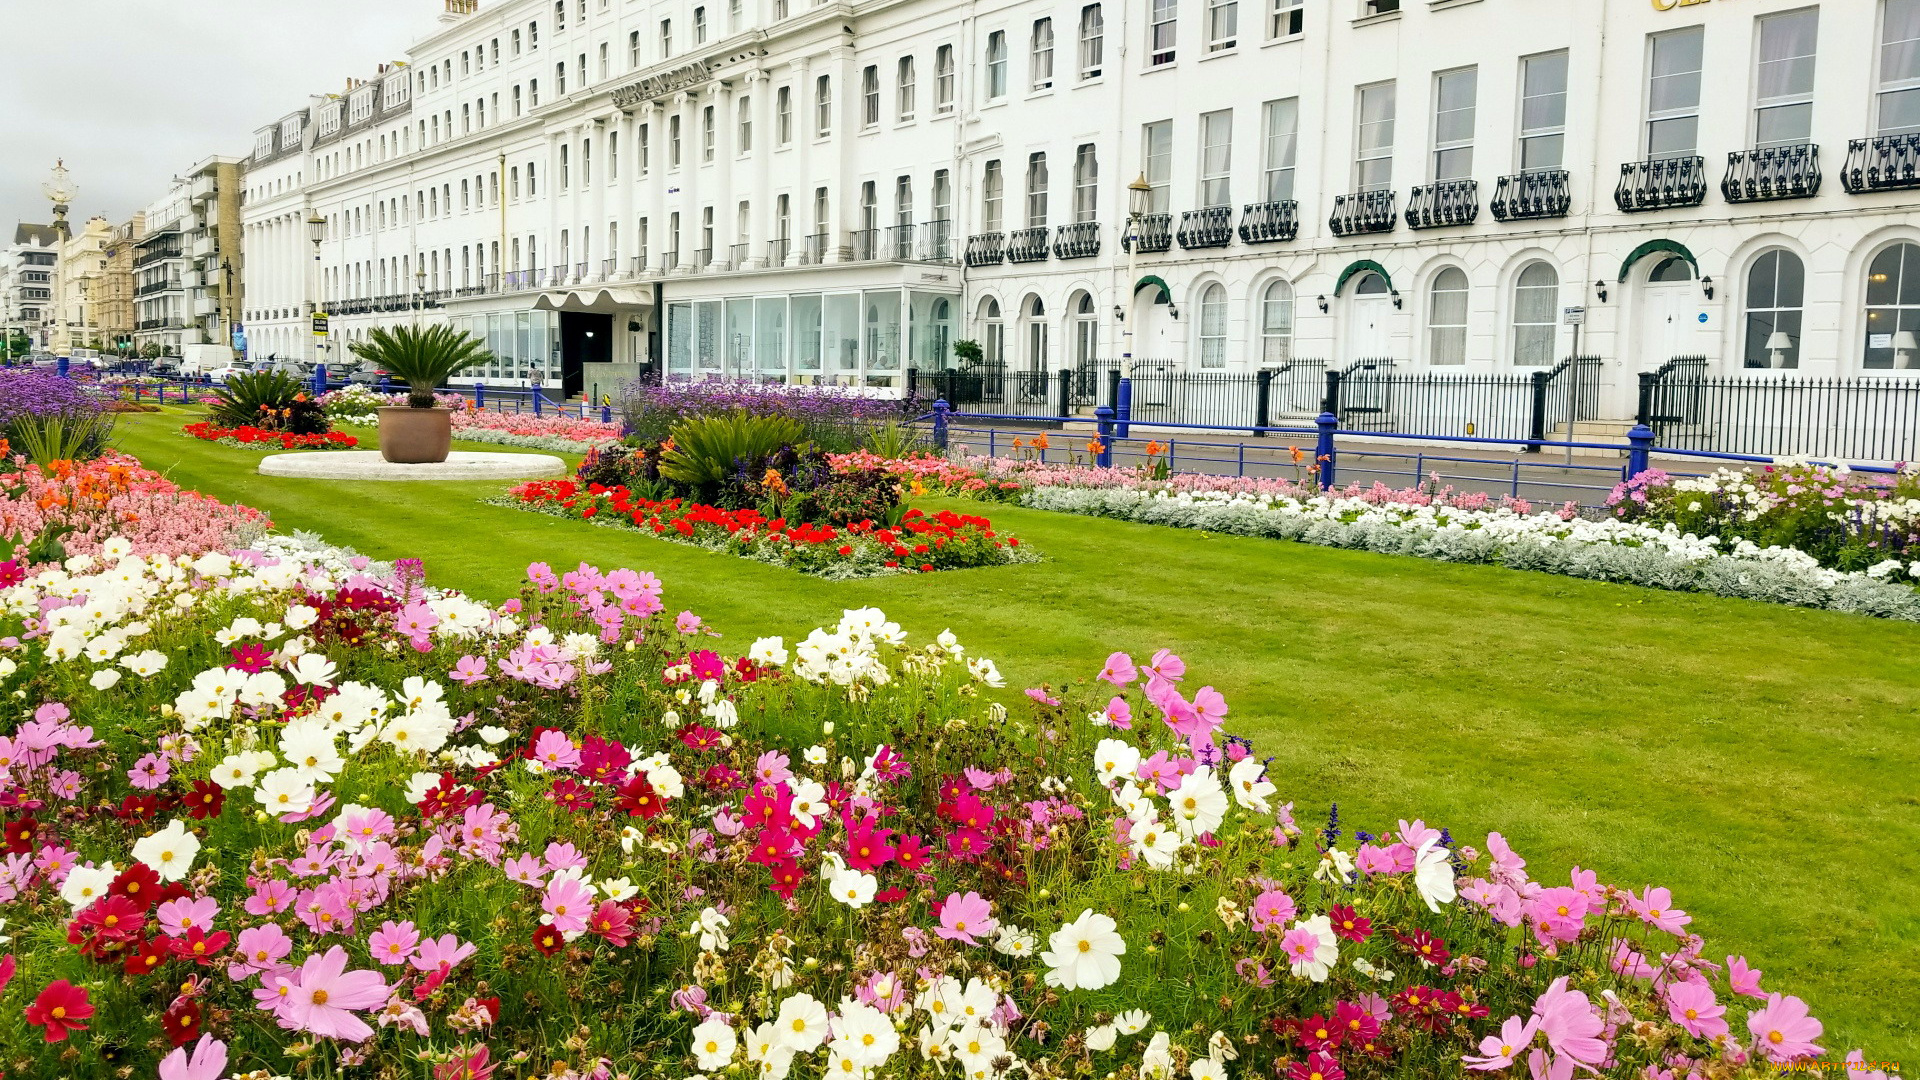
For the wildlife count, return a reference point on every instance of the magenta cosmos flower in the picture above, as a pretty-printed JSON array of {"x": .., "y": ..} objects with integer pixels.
[
  {"x": 1693, "y": 1006},
  {"x": 963, "y": 917},
  {"x": 323, "y": 995},
  {"x": 1119, "y": 670},
  {"x": 1783, "y": 1031}
]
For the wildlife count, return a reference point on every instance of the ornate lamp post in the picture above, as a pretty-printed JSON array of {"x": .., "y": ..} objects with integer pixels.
[
  {"x": 1139, "y": 197},
  {"x": 60, "y": 190},
  {"x": 419, "y": 294},
  {"x": 316, "y": 232}
]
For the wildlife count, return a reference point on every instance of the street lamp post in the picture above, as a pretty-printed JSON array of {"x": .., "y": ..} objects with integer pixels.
[
  {"x": 1139, "y": 194},
  {"x": 419, "y": 294},
  {"x": 316, "y": 232}
]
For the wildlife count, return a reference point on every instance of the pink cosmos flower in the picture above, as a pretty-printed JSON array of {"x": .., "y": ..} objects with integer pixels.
[
  {"x": 1744, "y": 980},
  {"x": 1041, "y": 696},
  {"x": 446, "y": 952},
  {"x": 1571, "y": 1026},
  {"x": 207, "y": 1062},
  {"x": 1499, "y": 1051},
  {"x": 1783, "y": 1031},
  {"x": 771, "y": 768},
  {"x": 567, "y": 903},
  {"x": 554, "y": 751},
  {"x": 526, "y": 869},
  {"x": 1542, "y": 1066},
  {"x": 258, "y": 950},
  {"x": 186, "y": 913},
  {"x": 963, "y": 917},
  {"x": 564, "y": 856},
  {"x": 1119, "y": 714},
  {"x": 394, "y": 943},
  {"x": 270, "y": 897},
  {"x": 1625, "y": 961},
  {"x": 1655, "y": 908},
  {"x": 687, "y": 622},
  {"x": 1693, "y": 1006},
  {"x": 1119, "y": 670},
  {"x": 1508, "y": 868},
  {"x": 1165, "y": 665},
  {"x": 1270, "y": 910},
  {"x": 150, "y": 772},
  {"x": 469, "y": 670},
  {"x": 322, "y": 997}
]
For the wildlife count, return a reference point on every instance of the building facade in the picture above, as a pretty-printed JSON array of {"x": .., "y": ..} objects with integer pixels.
[
  {"x": 82, "y": 277},
  {"x": 116, "y": 314},
  {"x": 837, "y": 192},
  {"x": 189, "y": 268},
  {"x": 27, "y": 269}
]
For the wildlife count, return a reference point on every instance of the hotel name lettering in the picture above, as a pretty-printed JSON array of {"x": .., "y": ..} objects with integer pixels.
[
  {"x": 655, "y": 87},
  {"x": 1669, "y": 5}
]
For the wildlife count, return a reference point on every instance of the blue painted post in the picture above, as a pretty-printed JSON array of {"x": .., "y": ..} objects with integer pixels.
[
  {"x": 1123, "y": 406},
  {"x": 940, "y": 410},
  {"x": 1103, "y": 423},
  {"x": 385, "y": 386},
  {"x": 479, "y": 395},
  {"x": 1323, "y": 454},
  {"x": 1640, "y": 443},
  {"x": 320, "y": 378},
  {"x": 62, "y": 365},
  {"x": 606, "y": 414},
  {"x": 538, "y": 400}
]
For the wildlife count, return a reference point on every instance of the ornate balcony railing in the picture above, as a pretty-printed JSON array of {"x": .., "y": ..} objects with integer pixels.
[
  {"x": 1888, "y": 163},
  {"x": 1364, "y": 212},
  {"x": 777, "y": 251},
  {"x": 1772, "y": 172},
  {"x": 1153, "y": 232},
  {"x": 1027, "y": 245},
  {"x": 986, "y": 249},
  {"x": 1531, "y": 196},
  {"x": 1661, "y": 184},
  {"x": 816, "y": 250},
  {"x": 866, "y": 243},
  {"x": 900, "y": 242},
  {"x": 937, "y": 241},
  {"x": 1443, "y": 203},
  {"x": 1208, "y": 228},
  {"x": 1267, "y": 222},
  {"x": 737, "y": 257},
  {"x": 1080, "y": 240}
]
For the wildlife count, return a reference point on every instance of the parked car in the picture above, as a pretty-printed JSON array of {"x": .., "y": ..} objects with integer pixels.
[
  {"x": 222, "y": 374},
  {"x": 367, "y": 376}
]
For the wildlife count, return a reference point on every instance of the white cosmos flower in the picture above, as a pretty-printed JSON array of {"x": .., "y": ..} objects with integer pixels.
[
  {"x": 169, "y": 852},
  {"x": 1207, "y": 1069},
  {"x": 1100, "y": 1039},
  {"x": 1085, "y": 953},
  {"x": 1251, "y": 789},
  {"x": 864, "y": 1034},
  {"x": 1336, "y": 867},
  {"x": 714, "y": 1043},
  {"x": 1433, "y": 873},
  {"x": 1157, "y": 1062},
  {"x": 1011, "y": 940},
  {"x": 85, "y": 884},
  {"x": 852, "y": 887},
  {"x": 309, "y": 749},
  {"x": 300, "y": 616},
  {"x": 771, "y": 651},
  {"x": 146, "y": 663},
  {"x": 976, "y": 1045},
  {"x": 802, "y": 1023},
  {"x": 285, "y": 791},
  {"x": 1115, "y": 761},
  {"x": 1133, "y": 1021},
  {"x": 312, "y": 669},
  {"x": 1199, "y": 806},
  {"x": 766, "y": 1050},
  {"x": 1154, "y": 842},
  {"x": 104, "y": 679},
  {"x": 1313, "y": 960}
]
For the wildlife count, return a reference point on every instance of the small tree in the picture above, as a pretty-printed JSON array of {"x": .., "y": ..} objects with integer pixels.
[
  {"x": 968, "y": 351},
  {"x": 421, "y": 358}
]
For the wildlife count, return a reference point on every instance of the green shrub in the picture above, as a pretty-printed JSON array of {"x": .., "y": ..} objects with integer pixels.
[
  {"x": 705, "y": 451},
  {"x": 272, "y": 400}
]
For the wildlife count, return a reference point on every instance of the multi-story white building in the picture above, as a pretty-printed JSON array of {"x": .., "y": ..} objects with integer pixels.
[
  {"x": 27, "y": 269},
  {"x": 188, "y": 268},
  {"x": 838, "y": 191}
]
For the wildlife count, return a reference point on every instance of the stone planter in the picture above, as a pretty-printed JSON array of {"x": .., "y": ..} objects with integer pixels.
[{"x": 410, "y": 436}]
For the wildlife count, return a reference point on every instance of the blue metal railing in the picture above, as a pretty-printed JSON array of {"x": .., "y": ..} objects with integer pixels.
[{"x": 503, "y": 399}]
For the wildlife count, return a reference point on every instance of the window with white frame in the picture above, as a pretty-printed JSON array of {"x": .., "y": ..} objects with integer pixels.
[
  {"x": 1213, "y": 326},
  {"x": 644, "y": 133},
  {"x": 1223, "y": 25},
  {"x": 1161, "y": 22},
  {"x": 706, "y": 133},
  {"x": 992, "y": 197},
  {"x": 1893, "y": 309},
  {"x": 1036, "y": 190},
  {"x": 943, "y": 78},
  {"x": 1276, "y": 323},
  {"x": 1093, "y": 32},
  {"x": 743, "y": 116},
  {"x": 1897, "y": 102},
  {"x": 606, "y": 65},
  {"x": 613, "y": 155},
  {"x": 666, "y": 38},
  {"x": 1282, "y": 141},
  {"x": 904, "y": 89},
  {"x": 1783, "y": 78},
  {"x": 1543, "y": 112},
  {"x": 1035, "y": 313},
  {"x": 993, "y": 332},
  {"x": 1776, "y": 299},
  {"x": 1454, "y": 97},
  {"x": 942, "y": 197},
  {"x": 1286, "y": 18},
  {"x": 1536, "y": 315},
  {"x": 823, "y": 107},
  {"x": 996, "y": 65},
  {"x": 1156, "y": 153},
  {"x": 1373, "y": 138},
  {"x": 1447, "y": 318},
  {"x": 783, "y": 115},
  {"x": 1216, "y": 158},
  {"x": 633, "y": 50},
  {"x": 870, "y": 96},
  {"x": 699, "y": 26},
  {"x": 1673, "y": 93},
  {"x": 1040, "y": 57},
  {"x": 673, "y": 141},
  {"x": 1086, "y": 183}
]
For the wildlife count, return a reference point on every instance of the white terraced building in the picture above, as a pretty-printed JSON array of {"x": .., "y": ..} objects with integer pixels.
[{"x": 839, "y": 191}]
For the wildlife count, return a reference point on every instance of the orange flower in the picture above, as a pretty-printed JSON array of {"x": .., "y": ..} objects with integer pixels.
[
  {"x": 1095, "y": 446},
  {"x": 1154, "y": 448},
  {"x": 1297, "y": 455},
  {"x": 1040, "y": 442},
  {"x": 1018, "y": 442}
]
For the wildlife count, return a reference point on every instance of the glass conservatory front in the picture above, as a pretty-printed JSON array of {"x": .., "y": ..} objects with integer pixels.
[{"x": 866, "y": 338}]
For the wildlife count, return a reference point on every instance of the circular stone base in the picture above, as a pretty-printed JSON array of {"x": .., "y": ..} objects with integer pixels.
[{"x": 369, "y": 465}]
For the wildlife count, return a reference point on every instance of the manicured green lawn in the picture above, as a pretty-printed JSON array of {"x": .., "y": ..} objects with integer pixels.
[{"x": 1760, "y": 761}]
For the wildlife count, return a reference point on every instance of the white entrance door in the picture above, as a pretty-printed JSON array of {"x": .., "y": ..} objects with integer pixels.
[
  {"x": 1367, "y": 337},
  {"x": 1668, "y": 323},
  {"x": 1153, "y": 340}
]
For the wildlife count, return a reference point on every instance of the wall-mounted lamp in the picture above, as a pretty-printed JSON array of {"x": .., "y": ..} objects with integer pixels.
[
  {"x": 1173, "y": 310},
  {"x": 1119, "y": 313},
  {"x": 1396, "y": 299},
  {"x": 1707, "y": 284},
  {"x": 1600, "y": 287},
  {"x": 1323, "y": 303}
]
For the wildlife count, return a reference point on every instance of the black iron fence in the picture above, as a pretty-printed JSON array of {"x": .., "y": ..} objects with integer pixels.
[{"x": 1849, "y": 418}]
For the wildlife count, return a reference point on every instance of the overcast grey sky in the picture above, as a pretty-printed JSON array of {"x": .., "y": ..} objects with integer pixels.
[{"x": 131, "y": 92}]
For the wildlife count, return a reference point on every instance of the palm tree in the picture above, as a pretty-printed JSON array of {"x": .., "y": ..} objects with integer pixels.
[{"x": 422, "y": 358}]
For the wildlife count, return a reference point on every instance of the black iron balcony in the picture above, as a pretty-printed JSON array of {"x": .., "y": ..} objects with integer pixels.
[
  {"x": 900, "y": 243},
  {"x": 777, "y": 251},
  {"x": 639, "y": 264},
  {"x": 1208, "y": 228},
  {"x": 670, "y": 261},
  {"x": 1531, "y": 196},
  {"x": 579, "y": 272},
  {"x": 1027, "y": 245},
  {"x": 1080, "y": 240},
  {"x": 1443, "y": 203},
  {"x": 1661, "y": 184},
  {"x": 1153, "y": 233},
  {"x": 937, "y": 239},
  {"x": 154, "y": 255},
  {"x": 986, "y": 249},
  {"x": 1364, "y": 212},
  {"x": 816, "y": 252},
  {"x": 1888, "y": 163},
  {"x": 866, "y": 243},
  {"x": 1772, "y": 172},
  {"x": 609, "y": 269},
  {"x": 737, "y": 256},
  {"x": 1267, "y": 222}
]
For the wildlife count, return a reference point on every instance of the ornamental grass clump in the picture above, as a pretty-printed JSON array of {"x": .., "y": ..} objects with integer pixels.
[{"x": 341, "y": 821}]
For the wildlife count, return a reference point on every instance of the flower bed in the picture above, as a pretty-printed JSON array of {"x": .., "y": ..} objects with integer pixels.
[
  {"x": 53, "y": 417},
  {"x": 340, "y": 818},
  {"x": 931, "y": 474},
  {"x": 550, "y": 431},
  {"x": 833, "y": 417},
  {"x": 72, "y": 508},
  {"x": 917, "y": 544},
  {"x": 248, "y": 435}
]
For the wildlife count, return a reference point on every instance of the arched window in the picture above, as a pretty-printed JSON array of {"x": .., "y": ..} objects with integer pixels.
[
  {"x": 1276, "y": 323},
  {"x": 993, "y": 332},
  {"x": 1370, "y": 284},
  {"x": 1086, "y": 332},
  {"x": 1536, "y": 301},
  {"x": 1213, "y": 326},
  {"x": 1447, "y": 317},
  {"x": 1036, "y": 315},
  {"x": 1893, "y": 309},
  {"x": 1776, "y": 294},
  {"x": 1671, "y": 268}
]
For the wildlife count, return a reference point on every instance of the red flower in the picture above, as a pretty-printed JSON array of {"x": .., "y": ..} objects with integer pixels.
[
  {"x": 20, "y": 835},
  {"x": 1348, "y": 923},
  {"x": 137, "y": 883},
  {"x": 1319, "y": 1033},
  {"x": 548, "y": 940},
  {"x": 148, "y": 958},
  {"x": 1319, "y": 1065},
  {"x": 200, "y": 946},
  {"x": 205, "y": 801},
  {"x": 638, "y": 798},
  {"x": 846, "y": 549},
  {"x": 59, "y": 1009},
  {"x": 611, "y": 921},
  {"x": 787, "y": 877},
  {"x": 181, "y": 1021},
  {"x": 1427, "y": 946}
]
